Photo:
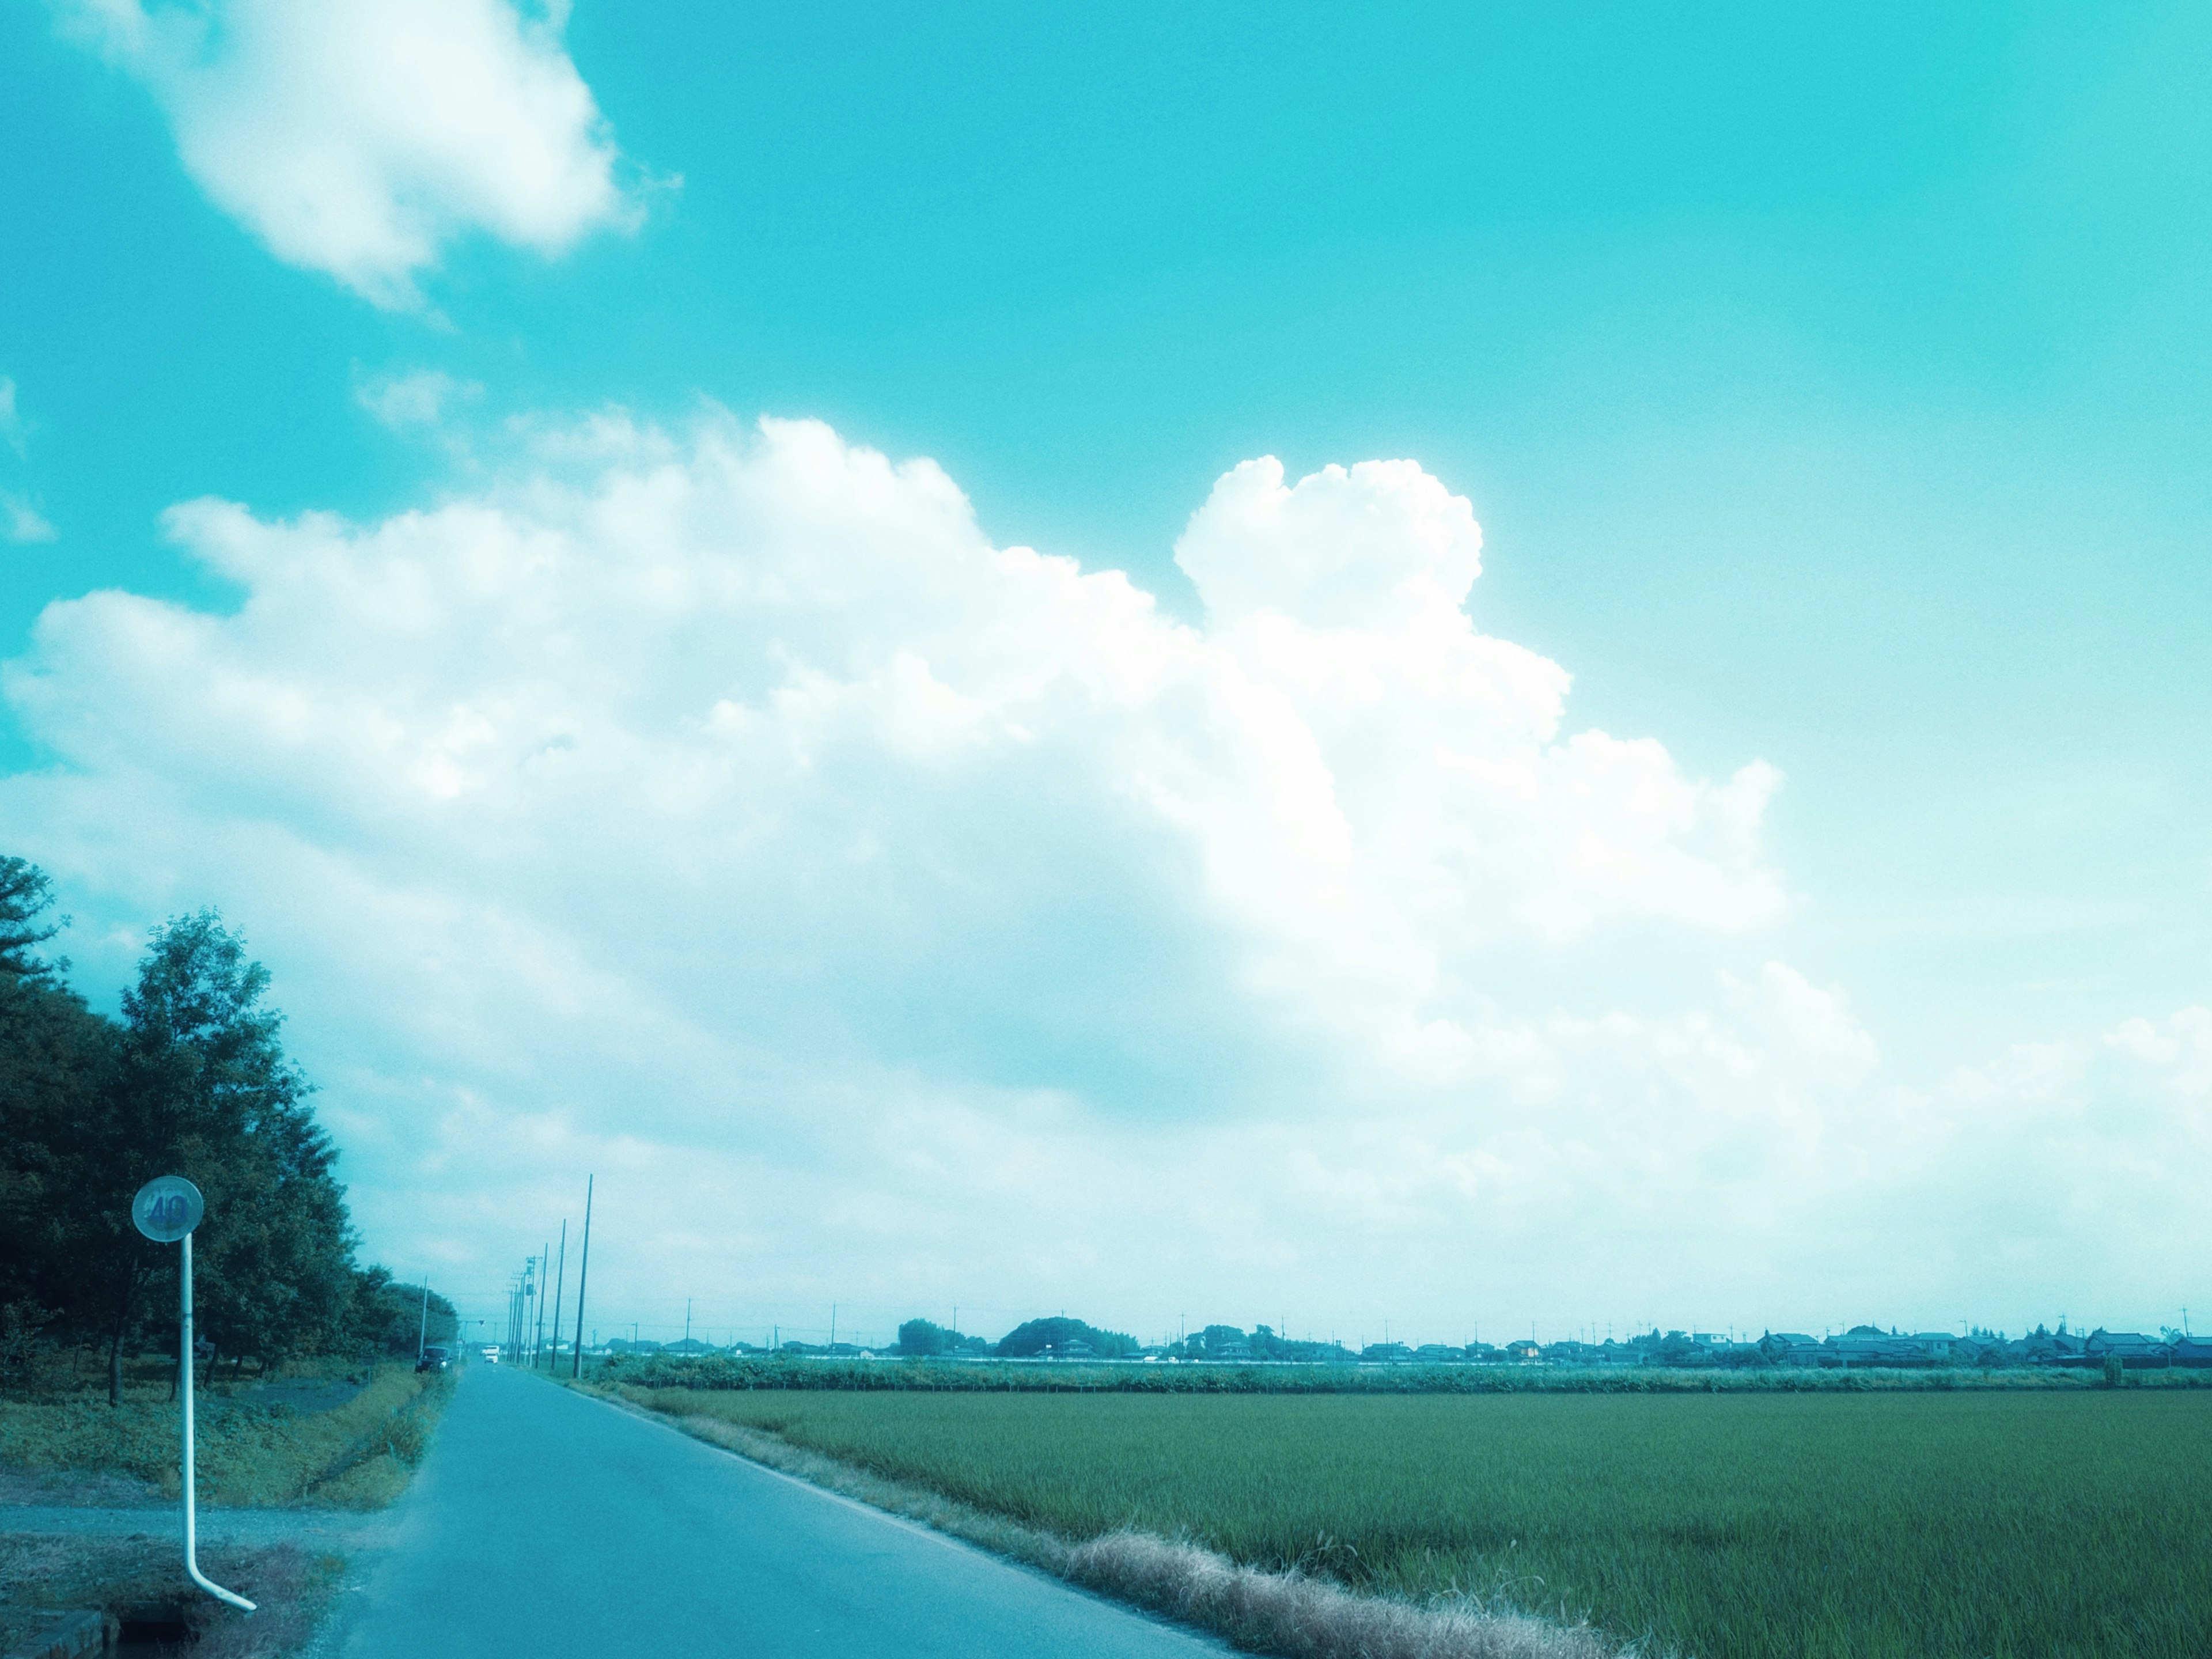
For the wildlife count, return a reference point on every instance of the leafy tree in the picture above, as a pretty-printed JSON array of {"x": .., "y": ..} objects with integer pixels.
[
  {"x": 57, "y": 1073},
  {"x": 921, "y": 1337},
  {"x": 192, "y": 1080},
  {"x": 1037, "y": 1336},
  {"x": 205, "y": 1090},
  {"x": 388, "y": 1318}
]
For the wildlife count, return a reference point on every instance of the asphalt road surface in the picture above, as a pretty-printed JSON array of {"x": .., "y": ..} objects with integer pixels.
[{"x": 547, "y": 1524}]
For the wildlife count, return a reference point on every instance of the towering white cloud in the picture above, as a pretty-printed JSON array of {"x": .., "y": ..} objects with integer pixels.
[
  {"x": 360, "y": 137},
  {"x": 885, "y": 912}
]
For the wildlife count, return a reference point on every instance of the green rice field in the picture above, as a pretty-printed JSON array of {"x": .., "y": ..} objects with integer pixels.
[{"x": 1722, "y": 1525}]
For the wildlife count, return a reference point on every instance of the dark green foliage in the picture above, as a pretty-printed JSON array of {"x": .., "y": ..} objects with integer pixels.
[
  {"x": 1053, "y": 1336},
  {"x": 206, "y": 1090},
  {"x": 192, "y": 1080},
  {"x": 922, "y": 1339},
  {"x": 387, "y": 1317},
  {"x": 26, "y": 895}
]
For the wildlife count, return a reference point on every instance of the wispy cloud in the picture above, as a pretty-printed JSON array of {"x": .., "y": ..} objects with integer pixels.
[
  {"x": 20, "y": 522},
  {"x": 419, "y": 398},
  {"x": 360, "y": 138},
  {"x": 11, "y": 420}
]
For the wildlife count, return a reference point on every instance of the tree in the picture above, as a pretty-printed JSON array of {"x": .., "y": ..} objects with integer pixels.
[
  {"x": 27, "y": 893},
  {"x": 388, "y": 1318},
  {"x": 57, "y": 1071},
  {"x": 1038, "y": 1336},
  {"x": 193, "y": 1081},
  {"x": 921, "y": 1337},
  {"x": 203, "y": 1089}
]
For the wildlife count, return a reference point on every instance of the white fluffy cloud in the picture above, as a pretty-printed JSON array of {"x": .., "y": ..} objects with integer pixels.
[
  {"x": 894, "y": 916},
  {"x": 360, "y": 137}
]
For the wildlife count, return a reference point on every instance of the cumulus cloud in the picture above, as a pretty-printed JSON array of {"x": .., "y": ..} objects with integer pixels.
[
  {"x": 359, "y": 137},
  {"x": 885, "y": 912}
]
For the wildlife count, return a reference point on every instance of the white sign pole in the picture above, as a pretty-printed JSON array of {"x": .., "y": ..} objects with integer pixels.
[{"x": 165, "y": 1209}]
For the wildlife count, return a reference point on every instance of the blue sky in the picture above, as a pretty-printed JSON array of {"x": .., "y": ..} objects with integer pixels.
[{"x": 1828, "y": 390}]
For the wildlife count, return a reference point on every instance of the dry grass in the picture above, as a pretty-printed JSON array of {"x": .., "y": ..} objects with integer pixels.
[
  {"x": 1304, "y": 1618},
  {"x": 1289, "y": 1613}
]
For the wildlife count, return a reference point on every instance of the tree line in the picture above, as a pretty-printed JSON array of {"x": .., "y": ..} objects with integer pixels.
[
  {"x": 190, "y": 1078},
  {"x": 923, "y": 1339}
]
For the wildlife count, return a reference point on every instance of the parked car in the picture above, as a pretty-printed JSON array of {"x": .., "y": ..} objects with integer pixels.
[{"x": 433, "y": 1360}]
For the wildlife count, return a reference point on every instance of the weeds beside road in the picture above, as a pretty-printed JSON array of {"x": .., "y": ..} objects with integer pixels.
[{"x": 356, "y": 1454}]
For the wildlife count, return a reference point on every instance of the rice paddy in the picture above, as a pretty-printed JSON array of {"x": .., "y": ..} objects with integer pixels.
[{"x": 1724, "y": 1525}]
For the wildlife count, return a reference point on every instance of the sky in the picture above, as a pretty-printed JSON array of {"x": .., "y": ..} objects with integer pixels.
[{"x": 1452, "y": 667}]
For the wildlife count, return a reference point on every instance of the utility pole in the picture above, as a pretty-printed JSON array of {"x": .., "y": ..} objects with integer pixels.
[
  {"x": 527, "y": 1348},
  {"x": 560, "y": 1285},
  {"x": 833, "y": 1324},
  {"x": 423, "y": 1330},
  {"x": 687, "y": 1320},
  {"x": 544, "y": 1261},
  {"x": 583, "y": 1273}
]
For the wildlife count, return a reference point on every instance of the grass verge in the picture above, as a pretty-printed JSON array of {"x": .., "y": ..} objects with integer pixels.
[{"x": 357, "y": 1454}]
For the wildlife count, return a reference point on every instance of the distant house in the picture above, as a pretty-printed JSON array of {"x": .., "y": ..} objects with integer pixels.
[
  {"x": 1978, "y": 1348},
  {"x": 1794, "y": 1348},
  {"x": 1391, "y": 1353},
  {"x": 1436, "y": 1354},
  {"x": 1890, "y": 1352},
  {"x": 1074, "y": 1348},
  {"x": 1577, "y": 1353},
  {"x": 2135, "y": 1351},
  {"x": 1680, "y": 1350},
  {"x": 2194, "y": 1352},
  {"x": 2044, "y": 1348}
]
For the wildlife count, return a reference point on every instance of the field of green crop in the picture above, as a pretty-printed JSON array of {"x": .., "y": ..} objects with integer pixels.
[{"x": 1817, "y": 1526}]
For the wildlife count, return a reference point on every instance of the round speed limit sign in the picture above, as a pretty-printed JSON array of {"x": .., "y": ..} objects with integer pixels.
[{"x": 167, "y": 1208}]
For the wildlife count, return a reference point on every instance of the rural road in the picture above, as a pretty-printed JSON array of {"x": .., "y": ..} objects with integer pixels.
[{"x": 548, "y": 1524}]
